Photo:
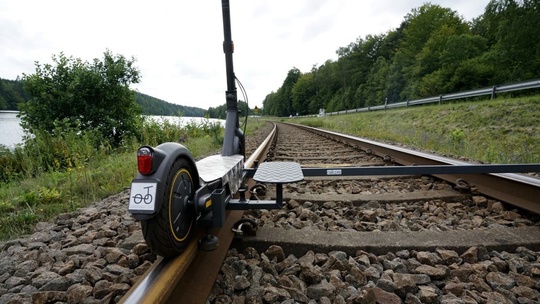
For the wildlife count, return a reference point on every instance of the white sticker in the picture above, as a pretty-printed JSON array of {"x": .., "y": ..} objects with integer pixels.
[
  {"x": 142, "y": 196},
  {"x": 333, "y": 172}
]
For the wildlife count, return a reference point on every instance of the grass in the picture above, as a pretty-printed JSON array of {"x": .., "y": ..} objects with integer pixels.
[
  {"x": 50, "y": 176},
  {"x": 38, "y": 198},
  {"x": 497, "y": 131},
  {"x": 253, "y": 125}
]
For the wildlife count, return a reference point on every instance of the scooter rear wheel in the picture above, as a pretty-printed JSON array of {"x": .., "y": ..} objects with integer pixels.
[{"x": 168, "y": 233}]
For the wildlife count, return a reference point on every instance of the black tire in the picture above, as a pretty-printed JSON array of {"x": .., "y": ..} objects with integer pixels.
[{"x": 168, "y": 233}]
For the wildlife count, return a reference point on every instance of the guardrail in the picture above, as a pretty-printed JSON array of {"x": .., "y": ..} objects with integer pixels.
[{"x": 531, "y": 84}]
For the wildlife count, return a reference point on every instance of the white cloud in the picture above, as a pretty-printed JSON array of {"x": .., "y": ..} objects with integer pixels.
[{"x": 178, "y": 44}]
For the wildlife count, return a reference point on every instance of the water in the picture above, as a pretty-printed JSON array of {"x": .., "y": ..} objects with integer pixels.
[
  {"x": 182, "y": 121},
  {"x": 11, "y": 132}
]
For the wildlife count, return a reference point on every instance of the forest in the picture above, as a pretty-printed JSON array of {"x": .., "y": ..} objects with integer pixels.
[
  {"x": 12, "y": 94},
  {"x": 154, "y": 106},
  {"x": 434, "y": 51},
  {"x": 221, "y": 111}
]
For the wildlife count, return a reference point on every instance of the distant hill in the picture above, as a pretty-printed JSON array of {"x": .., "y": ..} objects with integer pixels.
[
  {"x": 154, "y": 106},
  {"x": 12, "y": 93}
]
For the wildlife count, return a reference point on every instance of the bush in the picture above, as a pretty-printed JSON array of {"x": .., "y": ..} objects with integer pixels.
[{"x": 83, "y": 96}]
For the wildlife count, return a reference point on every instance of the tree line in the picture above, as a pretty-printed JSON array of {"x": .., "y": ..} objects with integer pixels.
[
  {"x": 221, "y": 111},
  {"x": 434, "y": 51},
  {"x": 154, "y": 106},
  {"x": 12, "y": 94}
]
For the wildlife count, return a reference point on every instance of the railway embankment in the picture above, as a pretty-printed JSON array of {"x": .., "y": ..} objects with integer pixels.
[{"x": 505, "y": 130}]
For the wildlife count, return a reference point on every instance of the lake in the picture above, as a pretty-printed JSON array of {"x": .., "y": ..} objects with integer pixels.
[{"x": 11, "y": 132}]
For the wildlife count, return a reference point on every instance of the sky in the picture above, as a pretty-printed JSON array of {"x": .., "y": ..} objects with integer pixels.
[{"x": 177, "y": 45}]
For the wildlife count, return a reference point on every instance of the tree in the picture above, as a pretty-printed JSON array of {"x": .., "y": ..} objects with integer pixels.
[
  {"x": 511, "y": 28},
  {"x": 434, "y": 51},
  {"x": 396, "y": 79},
  {"x": 426, "y": 30},
  {"x": 302, "y": 93},
  {"x": 375, "y": 87},
  {"x": 220, "y": 112},
  {"x": 155, "y": 106},
  {"x": 3, "y": 103},
  {"x": 286, "y": 97},
  {"x": 280, "y": 103},
  {"x": 327, "y": 82},
  {"x": 86, "y": 96},
  {"x": 11, "y": 94}
]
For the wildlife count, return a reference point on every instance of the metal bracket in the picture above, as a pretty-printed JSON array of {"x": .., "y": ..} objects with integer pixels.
[
  {"x": 278, "y": 173},
  {"x": 245, "y": 227}
]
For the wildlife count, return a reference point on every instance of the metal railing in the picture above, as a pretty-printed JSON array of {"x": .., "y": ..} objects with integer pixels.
[{"x": 531, "y": 84}]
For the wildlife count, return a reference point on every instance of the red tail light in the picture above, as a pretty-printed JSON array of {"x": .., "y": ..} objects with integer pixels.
[{"x": 144, "y": 160}]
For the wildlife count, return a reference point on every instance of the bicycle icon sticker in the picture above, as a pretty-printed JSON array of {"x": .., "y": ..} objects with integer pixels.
[
  {"x": 147, "y": 198},
  {"x": 143, "y": 196}
]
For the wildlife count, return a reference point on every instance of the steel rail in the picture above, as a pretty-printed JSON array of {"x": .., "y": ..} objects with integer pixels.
[
  {"x": 519, "y": 190},
  {"x": 166, "y": 281},
  {"x": 203, "y": 271}
]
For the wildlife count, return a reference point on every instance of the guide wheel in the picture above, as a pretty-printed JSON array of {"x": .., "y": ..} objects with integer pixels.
[{"x": 168, "y": 233}]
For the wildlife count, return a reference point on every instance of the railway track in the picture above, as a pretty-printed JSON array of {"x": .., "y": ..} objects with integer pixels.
[{"x": 371, "y": 235}]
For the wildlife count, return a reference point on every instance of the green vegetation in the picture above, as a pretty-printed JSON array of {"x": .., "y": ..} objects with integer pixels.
[
  {"x": 52, "y": 175},
  {"x": 498, "y": 131},
  {"x": 154, "y": 106},
  {"x": 221, "y": 111},
  {"x": 253, "y": 125},
  {"x": 82, "y": 96},
  {"x": 434, "y": 51},
  {"x": 12, "y": 94}
]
